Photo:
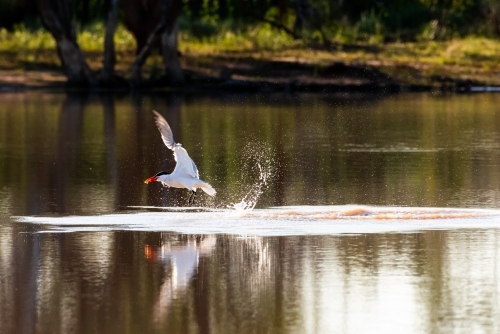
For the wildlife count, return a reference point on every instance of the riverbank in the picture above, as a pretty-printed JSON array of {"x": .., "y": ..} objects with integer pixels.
[{"x": 451, "y": 65}]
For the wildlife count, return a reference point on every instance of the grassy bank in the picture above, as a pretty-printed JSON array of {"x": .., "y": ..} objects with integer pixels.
[{"x": 424, "y": 62}]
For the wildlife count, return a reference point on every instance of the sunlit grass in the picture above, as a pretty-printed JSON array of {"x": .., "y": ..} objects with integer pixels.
[
  {"x": 258, "y": 37},
  {"x": 22, "y": 39},
  {"x": 475, "y": 58},
  {"x": 90, "y": 39}
]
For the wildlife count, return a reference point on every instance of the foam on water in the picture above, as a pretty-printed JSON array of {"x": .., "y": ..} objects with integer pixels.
[{"x": 296, "y": 220}]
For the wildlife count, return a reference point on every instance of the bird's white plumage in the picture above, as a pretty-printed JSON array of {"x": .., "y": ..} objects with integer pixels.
[
  {"x": 185, "y": 174},
  {"x": 165, "y": 131},
  {"x": 185, "y": 166}
]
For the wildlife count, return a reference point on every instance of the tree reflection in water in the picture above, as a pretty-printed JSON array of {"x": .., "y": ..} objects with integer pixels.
[
  {"x": 89, "y": 153},
  {"x": 72, "y": 154}
]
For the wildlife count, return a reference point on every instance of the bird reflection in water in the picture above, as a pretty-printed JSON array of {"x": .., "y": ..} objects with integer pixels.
[{"x": 180, "y": 263}]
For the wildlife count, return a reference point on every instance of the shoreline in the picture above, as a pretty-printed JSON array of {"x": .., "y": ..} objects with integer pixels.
[{"x": 246, "y": 74}]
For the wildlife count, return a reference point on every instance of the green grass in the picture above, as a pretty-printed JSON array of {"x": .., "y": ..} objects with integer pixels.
[
  {"x": 90, "y": 39},
  {"x": 254, "y": 38},
  {"x": 476, "y": 58}
]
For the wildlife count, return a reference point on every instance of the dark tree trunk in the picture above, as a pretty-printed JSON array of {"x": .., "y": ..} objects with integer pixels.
[
  {"x": 151, "y": 22},
  {"x": 109, "y": 60},
  {"x": 85, "y": 10},
  {"x": 282, "y": 7},
  {"x": 173, "y": 67},
  {"x": 308, "y": 18},
  {"x": 301, "y": 13},
  {"x": 140, "y": 18},
  {"x": 57, "y": 17},
  {"x": 146, "y": 50}
]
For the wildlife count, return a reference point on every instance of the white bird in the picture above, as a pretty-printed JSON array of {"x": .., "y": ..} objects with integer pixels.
[{"x": 185, "y": 174}]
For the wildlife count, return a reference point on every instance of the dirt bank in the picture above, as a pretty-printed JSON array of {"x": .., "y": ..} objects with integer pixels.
[{"x": 246, "y": 73}]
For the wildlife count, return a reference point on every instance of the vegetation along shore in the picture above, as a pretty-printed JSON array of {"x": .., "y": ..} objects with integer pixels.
[{"x": 301, "y": 45}]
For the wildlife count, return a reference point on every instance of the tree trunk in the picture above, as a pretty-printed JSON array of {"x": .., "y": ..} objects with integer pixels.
[
  {"x": 301, "y": 11},
  {"x": 141, "y": 18},
  {"x": 308, "y": 19},
  {"x": 146, "y": 50},
  {"x": 57, "y": 18},
  {"x": 144, "y": 53},
  {"x": 170, "y": 56},
  {"x": 109, "y": 60}
]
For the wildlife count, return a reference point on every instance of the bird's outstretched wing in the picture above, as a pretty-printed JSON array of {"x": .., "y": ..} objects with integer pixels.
[
  {"x": 185, "y": 165},
  {"x": 165, "y": 131}
]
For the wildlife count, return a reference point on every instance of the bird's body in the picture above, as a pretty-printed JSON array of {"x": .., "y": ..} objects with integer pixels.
[
  {"x": 185, "y": 174},
  {"x": 171, "y": 180}
]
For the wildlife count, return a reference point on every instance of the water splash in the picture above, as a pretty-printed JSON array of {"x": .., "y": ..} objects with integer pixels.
[
  {"x": 242, "y": 206},
  {"x": 257, "y": 172}
]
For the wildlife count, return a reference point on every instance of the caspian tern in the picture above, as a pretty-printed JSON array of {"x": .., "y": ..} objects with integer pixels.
[{"x": 185, "y": 174}]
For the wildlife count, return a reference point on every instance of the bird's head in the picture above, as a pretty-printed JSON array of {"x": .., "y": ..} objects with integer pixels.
[{"x": 155, "y": 177}]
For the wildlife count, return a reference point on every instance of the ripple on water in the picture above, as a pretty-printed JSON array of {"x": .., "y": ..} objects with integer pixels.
[{"x": 293, "y": 220}]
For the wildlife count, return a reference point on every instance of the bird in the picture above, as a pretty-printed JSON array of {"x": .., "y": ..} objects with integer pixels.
[{"x": 185, "y": 174}]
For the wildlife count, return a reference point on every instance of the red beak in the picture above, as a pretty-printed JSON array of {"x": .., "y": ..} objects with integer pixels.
[
  {"x": 150, "y": 252},
  {"x": 151, "y": 179}
]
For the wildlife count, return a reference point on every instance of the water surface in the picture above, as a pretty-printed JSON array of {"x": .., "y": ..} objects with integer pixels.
[{"x": 372, "y": 214}]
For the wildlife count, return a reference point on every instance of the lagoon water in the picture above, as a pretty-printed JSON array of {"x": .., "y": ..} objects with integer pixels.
[{"x": 334, "y": 214}]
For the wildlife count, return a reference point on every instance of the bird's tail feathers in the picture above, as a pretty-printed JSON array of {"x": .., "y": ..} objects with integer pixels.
[{"x": 208, "y": 189}]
